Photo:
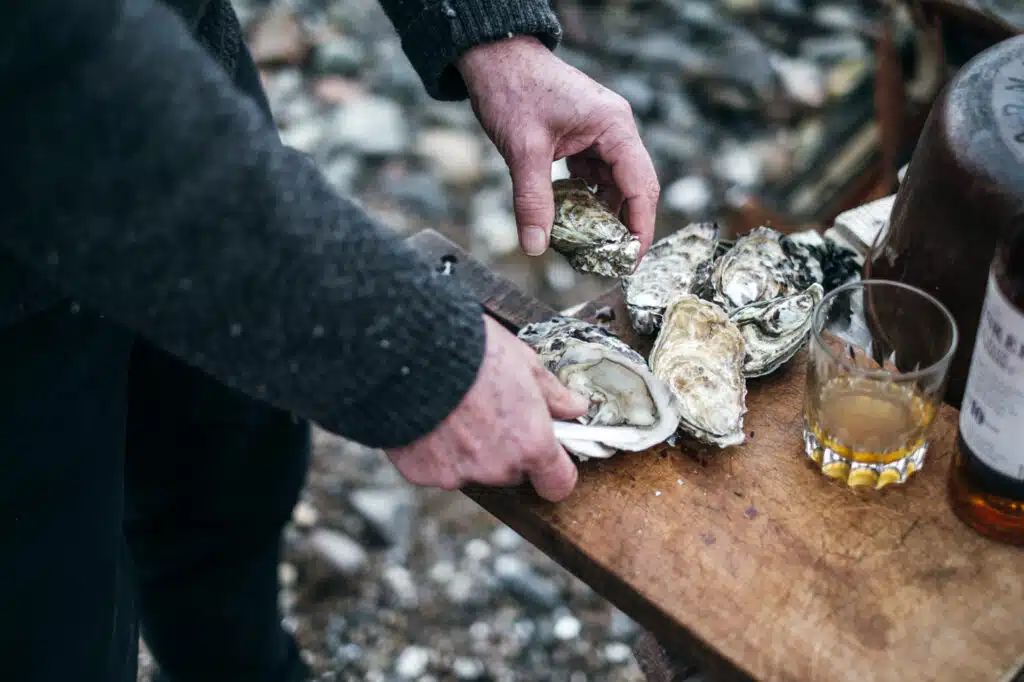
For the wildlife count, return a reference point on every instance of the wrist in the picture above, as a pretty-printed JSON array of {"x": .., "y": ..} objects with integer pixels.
[{"x": 480, "y": 60}]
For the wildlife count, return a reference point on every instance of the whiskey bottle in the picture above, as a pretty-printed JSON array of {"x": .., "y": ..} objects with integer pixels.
[{"x": 986, "y": 482}]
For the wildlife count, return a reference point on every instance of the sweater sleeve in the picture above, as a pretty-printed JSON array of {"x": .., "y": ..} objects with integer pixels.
[
  {"x": 436, "y": 32},
  {"x": 136, "y": 179}
]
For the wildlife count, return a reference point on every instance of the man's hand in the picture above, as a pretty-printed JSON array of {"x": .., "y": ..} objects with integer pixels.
[
  {"x": 538, "y": 109},
  {"x": 501, "y": 432}
]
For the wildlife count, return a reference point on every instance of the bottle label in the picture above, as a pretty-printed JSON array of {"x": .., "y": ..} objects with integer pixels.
[{"x": 992, "y": 411}]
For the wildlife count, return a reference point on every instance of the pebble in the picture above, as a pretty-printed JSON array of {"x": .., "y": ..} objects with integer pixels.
[
  {"x": 477, "y": 550},
  {"x": 412, "y": 662},
  {"x": 560, "y": 275},
  {"x": 460, "y": 588},
  {"x": 567, "y": 627},
  {"x": 386, "y": 511},
  {"x": 373, "y": 125},
  {"x": 401, "y": 586},
  {"x": 287, "y": 574},
  {"x": 305, "y": 515},
  {"x": 456, "y": 156},
  {"x": 493, "y": 225},
  {"x": 690, "y": 195},
  {"x": 342, "y": 552},
  {"x": 442, "y": 572},
  {"x": 305, "y": 136},
  {"x": 468, "y": 668},
  {"x": 342, "y": 55},
  {"x": 278, "y": 39},
  {"x": 616, "y": 653},
  {"x": 505, "y": 539},
  {"x": 739, "y": 166}
]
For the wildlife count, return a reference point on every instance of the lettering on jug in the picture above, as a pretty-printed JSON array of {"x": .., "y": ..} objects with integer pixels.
[{"x": 1008, "y": 105}]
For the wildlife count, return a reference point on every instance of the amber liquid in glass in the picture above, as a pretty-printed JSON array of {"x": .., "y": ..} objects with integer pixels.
[{"x": 987, "y": 500}]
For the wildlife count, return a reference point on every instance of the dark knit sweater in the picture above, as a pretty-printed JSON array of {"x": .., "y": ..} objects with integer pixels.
[{"x": 138, "y": 179}]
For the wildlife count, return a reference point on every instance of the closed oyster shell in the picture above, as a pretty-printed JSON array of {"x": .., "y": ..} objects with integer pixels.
[
  {"x": 588, "y": 234},
  {"x": 667, "y": 271},
  {"x": 774, "y": 331},
  {"x": 699, "y": 354},
  {"x": 756, "y": 268},
  {"x": 630, "y": 408}
]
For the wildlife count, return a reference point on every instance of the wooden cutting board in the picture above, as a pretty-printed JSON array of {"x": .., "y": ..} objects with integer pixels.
[{"x": 754, "y": 564}]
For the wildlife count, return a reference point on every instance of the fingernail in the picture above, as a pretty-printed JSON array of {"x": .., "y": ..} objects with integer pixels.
[
  {"x": 580, "y": 402},
  {"x": 534, "y": 241}
]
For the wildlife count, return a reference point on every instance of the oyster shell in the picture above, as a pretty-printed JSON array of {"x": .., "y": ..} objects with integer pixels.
[
  {"x": 774, "y": 331},
  {"x": 699, "y": 352},
  {"x": 630, "y": 408},
  {"x": 757, "y": 268},
  {"x": 666, "y": 271},
  {"x": 588, "y": 234}
]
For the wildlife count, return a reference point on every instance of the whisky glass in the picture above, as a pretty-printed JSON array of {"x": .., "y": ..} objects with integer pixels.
[{"x": 878, "y": 359}]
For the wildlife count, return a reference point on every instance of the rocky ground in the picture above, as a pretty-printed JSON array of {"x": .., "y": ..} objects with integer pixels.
[{"x": 387, "y": 582}]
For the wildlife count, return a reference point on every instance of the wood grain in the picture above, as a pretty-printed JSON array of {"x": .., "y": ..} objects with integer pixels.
[{"x": 757, "y": 566}]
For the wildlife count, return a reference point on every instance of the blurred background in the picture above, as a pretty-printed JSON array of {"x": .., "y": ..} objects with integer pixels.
[{"x": 754, "y": 111}]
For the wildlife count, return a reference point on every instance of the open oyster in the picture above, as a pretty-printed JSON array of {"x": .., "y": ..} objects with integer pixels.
[
  {"x": 774, "y": 331},
  {"x": 630, "y": 408},
  {"x": 699, "y": 353},
  {"x": 757, "y": 268},
  {"x": 666, "y": 271},
  {"x": 588, "y": 234}
]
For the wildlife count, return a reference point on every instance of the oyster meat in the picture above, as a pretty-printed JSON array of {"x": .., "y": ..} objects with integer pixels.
[
  {"x": 630, "y": 409},
  {"x": 666, "y": 271},
  {"x": 699, "y": 353},
  {"x": 757, "y": 268},
  {"x": 774, "y": 331},
  {"x": 588, "y": 234}
]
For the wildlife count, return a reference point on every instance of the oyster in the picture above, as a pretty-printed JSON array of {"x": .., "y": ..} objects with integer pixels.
[
  {"x": 630, "y": 409},
  {"x": 699, "y": 353},
  {"x": 758, "y": 268},
  {"x": 666, "y": 271},
  {"x": 774, "y": 331},
  {"x": 589, "y": 235}
]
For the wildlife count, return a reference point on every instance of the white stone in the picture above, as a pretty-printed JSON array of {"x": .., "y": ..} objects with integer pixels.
[
  {"x": 567, "y": 627},
  {"x": 412, "y": 662}
]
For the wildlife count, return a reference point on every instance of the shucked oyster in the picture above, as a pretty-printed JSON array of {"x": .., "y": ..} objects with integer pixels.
[
  {"x": 774, "y": 331},
  {"x": 699, "y": 353},
  {"x": 757, "y": 268},
  {"x": 666, "y": 271},
  {"x": 630, "y": 408},
  {"x": 588, "y": 234}
]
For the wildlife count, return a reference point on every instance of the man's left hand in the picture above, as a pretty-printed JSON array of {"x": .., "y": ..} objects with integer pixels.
[{"x": 537, "y": 109}]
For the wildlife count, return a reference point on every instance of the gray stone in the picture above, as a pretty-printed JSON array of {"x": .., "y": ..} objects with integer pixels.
[
  {"x": 372, "y": 125},
  {"x": 340, "y": 551},
  {"x": 690, "y": 195},
  {"x": 341, "y": 55},
  {"x": 387, "y": 512}
]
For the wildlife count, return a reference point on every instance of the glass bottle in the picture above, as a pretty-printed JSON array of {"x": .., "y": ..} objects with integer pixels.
[{"x": 986, "y": 482}]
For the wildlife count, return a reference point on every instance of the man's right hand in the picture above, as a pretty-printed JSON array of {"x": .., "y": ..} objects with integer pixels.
[{"x": 501, "y": 432}]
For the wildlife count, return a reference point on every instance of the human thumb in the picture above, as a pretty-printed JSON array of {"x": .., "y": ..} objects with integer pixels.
[
  {"x": 562, "y": 403},
  {"x": 533, "y": 197}
]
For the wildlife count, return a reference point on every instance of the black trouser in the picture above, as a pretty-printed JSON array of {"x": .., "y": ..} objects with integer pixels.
[{"x": 135, "y": 488}]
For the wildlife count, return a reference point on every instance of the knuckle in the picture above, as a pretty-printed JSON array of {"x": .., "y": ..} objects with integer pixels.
[
  {"x": 449, "y": 481},
  {"x": 619, "y": 104}
]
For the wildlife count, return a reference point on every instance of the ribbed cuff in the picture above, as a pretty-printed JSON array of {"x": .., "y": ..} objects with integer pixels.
[{"x": 436, "y": 36}]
